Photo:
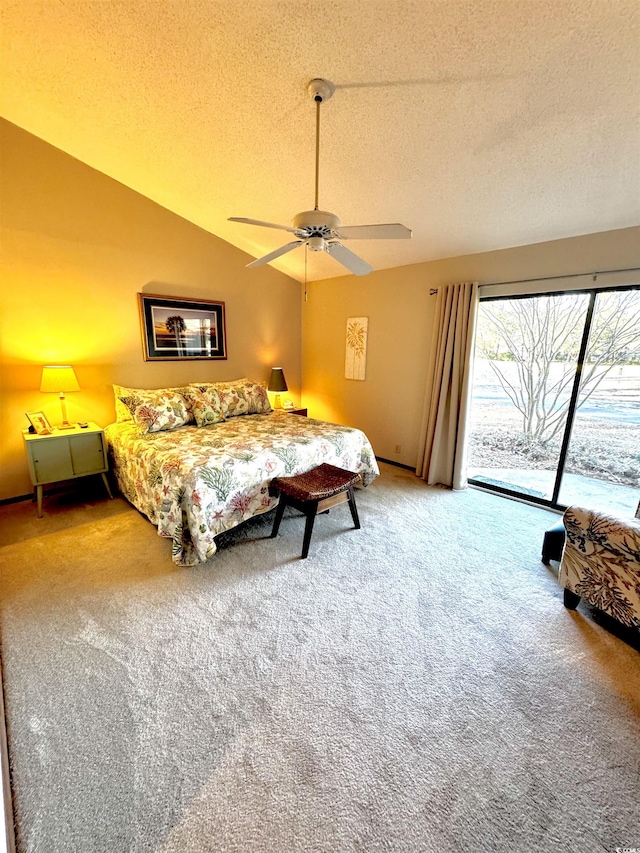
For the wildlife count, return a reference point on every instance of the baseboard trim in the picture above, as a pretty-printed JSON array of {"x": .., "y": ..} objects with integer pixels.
[
  {"x": 396, "y": 464},
  {"x": 17, "y": 499},
  {"x": 57, "y": 488}
]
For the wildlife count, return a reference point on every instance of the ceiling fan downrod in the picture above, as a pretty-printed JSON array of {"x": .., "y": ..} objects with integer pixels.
[{"x": 320, "y": 90}]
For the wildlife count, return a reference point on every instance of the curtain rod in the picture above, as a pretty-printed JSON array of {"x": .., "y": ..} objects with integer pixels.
[
  {"x": 555, "y": 277},
  {"x": 594, "y": 275}
]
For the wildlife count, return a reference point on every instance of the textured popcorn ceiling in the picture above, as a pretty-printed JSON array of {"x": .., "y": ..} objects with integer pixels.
[{"x": 480, "y": 124}]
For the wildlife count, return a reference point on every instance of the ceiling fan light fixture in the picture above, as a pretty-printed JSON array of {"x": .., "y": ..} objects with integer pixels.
[{"x": 316, "y": 244}]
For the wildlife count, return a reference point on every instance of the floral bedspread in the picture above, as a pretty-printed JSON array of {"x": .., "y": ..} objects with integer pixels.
[{"x": 194, "y": 483}]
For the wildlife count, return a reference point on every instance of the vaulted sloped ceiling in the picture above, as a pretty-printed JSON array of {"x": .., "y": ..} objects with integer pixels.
[{"x": 480, "y": 124}]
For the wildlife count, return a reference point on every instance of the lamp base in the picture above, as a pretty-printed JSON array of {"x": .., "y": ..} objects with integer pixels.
[
  {"x": 277, "y": 404},
  {"x": 66, "y": 425}
]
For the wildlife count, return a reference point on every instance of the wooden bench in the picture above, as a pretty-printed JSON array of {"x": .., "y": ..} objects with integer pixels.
[{"x": 313, "y": 492}]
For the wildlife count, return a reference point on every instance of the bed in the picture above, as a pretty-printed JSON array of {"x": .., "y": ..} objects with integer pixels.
[{"x": 195, "y": 482}]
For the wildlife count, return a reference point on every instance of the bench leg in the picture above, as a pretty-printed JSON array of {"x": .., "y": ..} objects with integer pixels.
[
  {"x": 310, "y": 512},
  {"x": 279, "y": 513},
  {"x": 353, "y": 508}
]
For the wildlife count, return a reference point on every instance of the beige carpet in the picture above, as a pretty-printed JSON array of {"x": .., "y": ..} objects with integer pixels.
[{"x": 413, "y": 686}]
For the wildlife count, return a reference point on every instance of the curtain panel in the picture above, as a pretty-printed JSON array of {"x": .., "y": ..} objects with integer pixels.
[{"x": 442, "y": 451}]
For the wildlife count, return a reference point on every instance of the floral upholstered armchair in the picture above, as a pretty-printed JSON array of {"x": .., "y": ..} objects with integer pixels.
[{"x": 601, "y": 563}]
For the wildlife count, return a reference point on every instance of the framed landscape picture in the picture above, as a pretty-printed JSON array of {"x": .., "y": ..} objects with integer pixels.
[{"x": 178, "y": 329}]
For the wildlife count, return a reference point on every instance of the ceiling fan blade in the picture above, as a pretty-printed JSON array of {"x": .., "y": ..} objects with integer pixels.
[
  {"x": 276, "y": 254},
  {"x": 347, "y": 258},
  {"x": 260, "y": 222},
  {"x": 392, "y": 231}
]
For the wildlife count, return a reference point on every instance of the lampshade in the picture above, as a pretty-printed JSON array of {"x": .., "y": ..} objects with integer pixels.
[
  {"x": 59, "y": 379},
  {"x": 277, "y": 382}
]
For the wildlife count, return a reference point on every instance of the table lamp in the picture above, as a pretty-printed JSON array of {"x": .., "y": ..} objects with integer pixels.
[
  {"x": 60, "y": 379},
  {"x": 277, "y": 383}
]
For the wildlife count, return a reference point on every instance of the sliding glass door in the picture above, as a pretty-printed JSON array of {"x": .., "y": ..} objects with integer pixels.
[{"x": 556, "y": 398}]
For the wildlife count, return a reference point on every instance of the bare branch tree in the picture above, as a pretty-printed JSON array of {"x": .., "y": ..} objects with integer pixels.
[{"x": 541, "y": 337}]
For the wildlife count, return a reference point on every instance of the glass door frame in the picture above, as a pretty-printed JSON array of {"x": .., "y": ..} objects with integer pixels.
[{"x": 552, "y": 503}]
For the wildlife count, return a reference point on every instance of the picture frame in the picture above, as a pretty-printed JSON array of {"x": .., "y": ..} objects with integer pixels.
[
  {"x": 182, "y": 329},
  {"x": 39, "y": 422},
  {"x": 355, "y": 363}
]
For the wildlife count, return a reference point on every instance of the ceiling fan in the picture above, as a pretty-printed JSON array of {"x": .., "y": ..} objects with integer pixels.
[{"x": 320, "y": 230}]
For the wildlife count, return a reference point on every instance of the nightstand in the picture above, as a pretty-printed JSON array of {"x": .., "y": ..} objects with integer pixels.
[
  {"x": 302, "y": 412},
  {"x": 65, "y": 455}
]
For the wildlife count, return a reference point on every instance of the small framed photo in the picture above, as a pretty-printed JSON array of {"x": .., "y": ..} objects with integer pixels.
[
  {"x": 39, "y": 422},
  {"x": 181, "y": 329}
]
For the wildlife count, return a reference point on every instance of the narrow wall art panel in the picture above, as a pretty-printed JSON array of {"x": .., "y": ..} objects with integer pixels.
[{"x": 355, "y": 365}]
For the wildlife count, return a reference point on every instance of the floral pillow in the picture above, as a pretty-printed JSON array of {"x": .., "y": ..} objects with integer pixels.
[
  {"x": 123, "y": 412},
  {"x": 231, "y": 395},
  {"x": 258, "y": 398},
  {"x": 153, "y": 411},
  {"x": 230, "y": 383},
  {"x": 185, "y": 392},
  {"x": 205, "y": 406},
  {"x": 234, "y": 401}
]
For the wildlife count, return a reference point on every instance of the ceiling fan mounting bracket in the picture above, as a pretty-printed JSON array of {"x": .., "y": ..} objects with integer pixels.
[{"x": 320, "y": 90}]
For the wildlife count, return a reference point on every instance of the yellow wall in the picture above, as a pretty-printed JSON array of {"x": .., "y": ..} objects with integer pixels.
[
  {"x": 76, "y": 249},
  {"x": 388, "y": 404}
]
